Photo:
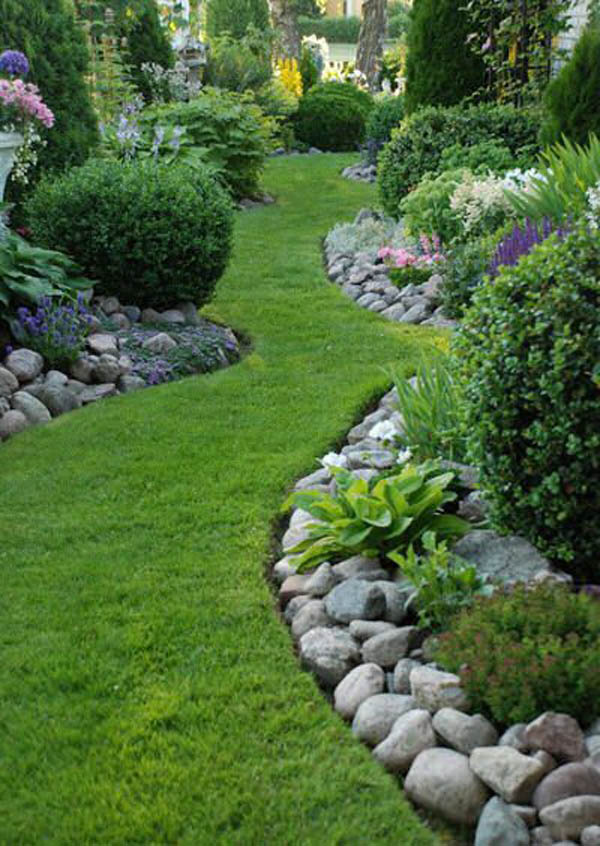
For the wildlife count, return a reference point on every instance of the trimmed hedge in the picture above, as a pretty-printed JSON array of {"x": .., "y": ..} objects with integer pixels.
[
  {"x": 150, "y": 234},
  {"x": 417, "y": 145},
  {"x": 230, "y": 127},
  {"x": 333, "y": 116},
  {"x": 528, "y": 348}
]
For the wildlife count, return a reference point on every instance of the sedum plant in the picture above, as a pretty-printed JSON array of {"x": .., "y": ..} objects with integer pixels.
[
  {"x": 376, "y": 517},
  {"x": 442, "y": 584}
]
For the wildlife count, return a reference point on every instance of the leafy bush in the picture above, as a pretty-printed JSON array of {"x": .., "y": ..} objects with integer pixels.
[
  {"x": 56, "y": 49},
  {"x": 479, "y": 158},
  {"x": 465, "y": 269},
  {"x": 333, "y": 116},
  {"x": 430, "y": 409},
  {"x": 527, "y": 652},
  {"x": 28, "y": 273},
  {"x": 233, "y": 17},
  {"x": 151, "y": 234},
  {"x": 565, "y": 174},
  {"x": 340, "y": 30},
  {"x": 386, "y": 114},
  {"x": 527, "y": 349},
  {"x": 234, "y": 66},
  {"x": 571, "y": 98},
  {"x": 308, "y": 67},
  {"x": 441, "y": 68},
  {"x": 417, "y": 146},
  {"x": 376, "y": 517},
  {"x": 427, "y": 209},
  {"x": 443, "y": 584},
  {"x": 230, "y": 128}
]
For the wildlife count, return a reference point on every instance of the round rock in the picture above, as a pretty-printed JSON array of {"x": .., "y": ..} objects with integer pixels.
[
  {"x": 499, "y": 825},
  {"x": 310, "y": 616},
  {"x": 590, "y": 836},
  {"x": 558, "y": 734},
  {"x": 569, "y": 817},
  {"x": 34, "y": 410},
  {"x": 8, "y": 382},
  {"x": 411, "y": 734},
  {"x": 462, "y": 732},
  {"x": 434, "y": 689},
  {"x": 360, "y": 684},
  {"x": 402, "y": 672},
  {"x": 442, "y": 781},
  {"x": 57, "y": 399},
  {"x": 12, "y": 423},
  {"x": 24, "y": 364},
  {"x": 355, "y": 599},
  {"x": 329, "y": 653},
  {"x": 575, "y": 779},
  {"x": 376, "y": 716},
  {"x": 160, "y": 343},
  {"x": 387, "y": 648}
]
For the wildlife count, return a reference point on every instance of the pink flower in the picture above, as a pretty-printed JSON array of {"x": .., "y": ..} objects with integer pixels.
[{"x": 24, "y": 98}]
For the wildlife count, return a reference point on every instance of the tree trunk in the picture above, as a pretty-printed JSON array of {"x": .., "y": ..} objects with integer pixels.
[
  {"x": 370, "y": 41},
  {"x": 285, "y": 23}
]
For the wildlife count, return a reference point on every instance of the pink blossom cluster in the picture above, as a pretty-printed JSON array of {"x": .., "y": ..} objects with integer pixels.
[
  {"x": 431, "y": 253},
  {"x": 25, "y": 99}
]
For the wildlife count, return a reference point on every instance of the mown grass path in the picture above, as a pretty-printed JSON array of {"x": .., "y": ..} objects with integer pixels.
[{"x": 148, "y": 691}]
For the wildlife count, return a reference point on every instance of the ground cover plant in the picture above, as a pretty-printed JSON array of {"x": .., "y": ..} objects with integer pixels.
[{"x": 143, "y": 668}]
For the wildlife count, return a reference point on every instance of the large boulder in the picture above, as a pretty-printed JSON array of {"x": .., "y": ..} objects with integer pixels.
[
  {"x": 387, "y": 648},
  {"x": 34, "y": 410},
  {"x": 24, "y": 364},
  {"x": 442, "y": 781},
  {"x": 502, "y": 559},
  {"x": 8, "y": 382}
]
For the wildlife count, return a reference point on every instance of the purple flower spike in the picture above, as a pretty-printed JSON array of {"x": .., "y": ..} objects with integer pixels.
[{"x": 14, "y": 63}]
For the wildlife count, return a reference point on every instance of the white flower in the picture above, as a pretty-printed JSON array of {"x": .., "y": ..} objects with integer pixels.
[
  {"x": 404, "y": 456},
  {"x": 333, "y": 459},
  {"x": 385, "y": 430}
]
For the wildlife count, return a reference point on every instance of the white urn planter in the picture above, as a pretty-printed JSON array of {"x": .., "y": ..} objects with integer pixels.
[{"x": 9, "y": 144}]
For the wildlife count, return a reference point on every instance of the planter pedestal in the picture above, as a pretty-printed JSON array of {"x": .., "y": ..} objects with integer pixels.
[{"x": 9, "y": 144}]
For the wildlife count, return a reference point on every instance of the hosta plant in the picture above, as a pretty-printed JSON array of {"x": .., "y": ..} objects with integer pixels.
[
  {"x": 442, "y": 584},
  {"x": 376, "y": 517}
]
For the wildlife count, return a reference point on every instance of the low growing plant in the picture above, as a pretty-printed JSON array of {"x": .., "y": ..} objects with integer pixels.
[
  {"x": 430, "y": 409},
  {"x": 57, "y": 329},
  {"x": 526, "y": 652},
  {"x": 428, "y": 210},
  {"x": 442, "y": 584},
  {"x": 376, "y": 517}
]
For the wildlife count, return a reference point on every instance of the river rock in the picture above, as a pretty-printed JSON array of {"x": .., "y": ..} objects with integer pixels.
[
  {"x": 462, "y": 732},
  {"x": 34, "y": 410},
  {"x": 590, "y": 836},
  {"x": 575, "y": 779},
  {"x": 321, "y": 581},
  {"x": 292, "y": 586},
  {"x": 361, "y": 683},
  {"x": 8, "y": 382},
  {"x": 12, "y": 423},
  {"x": 329, "y": 653},
  {"x": 365, "y": 629},
  {"x": 442, "y": 781},
  {"x": 509, "y": 773},
  {"x": 387, "y": 648},
  {"x": 411, "y": 734},
  {"x": 55, "y": 377},
  {"x": 558, "y": 734},
  {"x": 515, "y": 736},
  {"x": 128, "y": 383},
  {"x": 24, "y": 364},
  {"x": 358, "y": 567},
  {"x": 82, "y": 369},
  {"x": 294, "y": 605},
  {"x": 402, "y": 672},
  {"x": 355, "y": 599},
  {"x": 160, "y": 343},
  {"x": 57, "y": 399},
  {"x": 101, "y": 343},
  {"x": 107, "y": 369},
  {"x": 569, "y": 817},
  {"x": 375, "y": 717},
  {"x": 499, "y": 825},
  {"x": 310, "y": 616},
  {"x": 395, "y": 601},
  {"x": 434, "y": 689},
  {"x": 501, "y": 559}
]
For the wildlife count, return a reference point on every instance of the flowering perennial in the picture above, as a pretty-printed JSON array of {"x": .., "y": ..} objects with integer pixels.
[
  {"x": 20, "y": 102},
  {"x": 57, "y": 329},
  {"x": 521, "y": 241},
  {"x": 14, "y": 63}
]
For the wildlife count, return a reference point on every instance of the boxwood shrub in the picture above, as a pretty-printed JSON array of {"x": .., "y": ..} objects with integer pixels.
[
  {"x": 150, "y": 234},
  {"x": 417, "y": 145},
  {"x": 333, "y": 116},
  {"x": 230, "y": 127},
  {"x": 386, "y": 114},
  {"x": 531, "y": 651},
  {"x": 528, "y": 347}
]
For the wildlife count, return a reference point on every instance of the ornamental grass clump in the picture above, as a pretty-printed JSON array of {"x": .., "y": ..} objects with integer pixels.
[
  {"x": 530, "y": 651},
  {"x": 527, "y": 349}
]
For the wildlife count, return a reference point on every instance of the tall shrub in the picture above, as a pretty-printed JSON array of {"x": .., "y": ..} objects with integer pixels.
[
  {"x": 235, "y": 16},
  {"x": 55, "y": 46},
  {"x": 573, "y": 97},
  {"x": 441, "y": 69},
  {"x": 146, "y": 40}
]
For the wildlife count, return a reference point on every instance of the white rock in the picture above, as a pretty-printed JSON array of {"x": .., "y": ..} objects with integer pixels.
[
  {"x": 442, "y": 781},
  {"x": 410, "y": 735},
  {"x": 434, "y": 689},
  {"x": 462, "y": 732},
  {"x": 510, "y": 774},
  {"x": 376, "y": 716},
  {"x": 310, "y": 616},
  {"x": 361, "y": 683},
  {"x": 387, "y": 648},
  {"x": 329, "y": 653}
]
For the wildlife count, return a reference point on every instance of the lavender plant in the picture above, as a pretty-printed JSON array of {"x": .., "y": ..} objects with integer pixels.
[
  {"x": 521, "y": 241},
  {"x": 56, "y": 329}
]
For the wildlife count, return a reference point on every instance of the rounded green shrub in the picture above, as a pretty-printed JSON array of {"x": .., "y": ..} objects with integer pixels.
[
  {"x": 150, "y": 234},
  {"x": 386, "y": 114},
  {"x": 333, "y": 116},
  {"x": 572, "y": 98},
  {"x": 417, "y": 145},
  {"x": 527, "y": 652},
  {"x": 55, "y": 46},
  {"x": 528, "y": 348},
  {"x": 427, "y": 211},
  {"x": 441, "y": 69}
]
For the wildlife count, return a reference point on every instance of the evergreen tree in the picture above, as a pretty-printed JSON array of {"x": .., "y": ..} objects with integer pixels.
[
  {"x": 441, "y": 70},
  {"x": 146, "y": 41},
  {"x": 572, "y": 99},
  {"x": 235, "y": 16},
  {"x": 55, "y": 46}
]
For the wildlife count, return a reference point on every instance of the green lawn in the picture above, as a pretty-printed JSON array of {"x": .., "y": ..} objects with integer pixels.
[{"x": 149, "y": 692}]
